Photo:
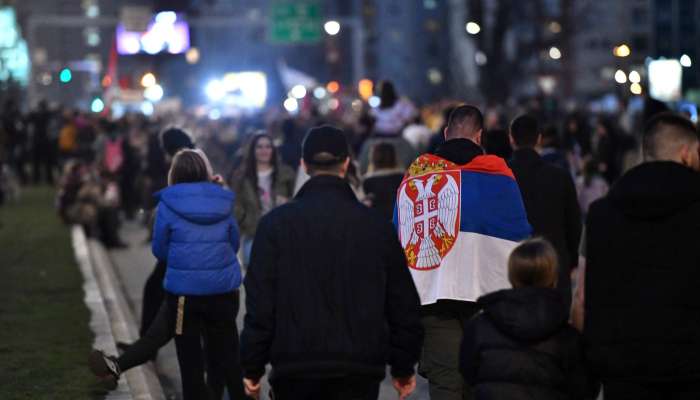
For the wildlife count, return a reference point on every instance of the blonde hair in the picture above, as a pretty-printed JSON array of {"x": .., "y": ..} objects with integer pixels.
[{"x": 533, "y": 263}]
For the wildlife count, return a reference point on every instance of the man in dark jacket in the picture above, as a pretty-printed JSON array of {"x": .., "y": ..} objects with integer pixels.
[
  {"x": 329, "y": 298},
  {"x": 550, "y": 198},
  {"x": 641, "y": 321}
]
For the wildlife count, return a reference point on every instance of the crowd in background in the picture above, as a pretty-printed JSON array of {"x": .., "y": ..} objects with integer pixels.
[
  {"x": 107, "y": 170},
  {"x": 110, "y": 164}
]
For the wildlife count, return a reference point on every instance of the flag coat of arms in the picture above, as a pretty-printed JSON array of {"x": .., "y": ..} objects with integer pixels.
[{"x": 458, "y": 224}]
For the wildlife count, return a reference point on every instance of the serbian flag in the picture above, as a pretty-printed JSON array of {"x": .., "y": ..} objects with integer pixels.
[{"x": 458, "y": 224}]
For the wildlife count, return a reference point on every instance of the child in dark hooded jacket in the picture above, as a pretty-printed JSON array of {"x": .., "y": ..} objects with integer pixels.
[{"x": 521, "y": 346}]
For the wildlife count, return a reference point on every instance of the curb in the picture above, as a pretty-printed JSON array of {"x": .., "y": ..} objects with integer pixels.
[{"x": 111, "y": 318}]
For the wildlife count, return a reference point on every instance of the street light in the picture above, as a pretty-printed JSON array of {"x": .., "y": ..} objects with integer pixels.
[
  {"x": 153, "y": 93},
  {"x": 332, "y": 27},
  {"x": 686, "y": 61},
  {"x": 634, "y": 77},
  {"x": 554, "y": 53},
  {"x": 473, "y": 28},
  {"x": 636, "y": 88},
  {"x": 148, "y": 80},
  {"x": 291, "y": 105},
  {"x": 622, "y": 50},
  {"x": 620, "y": 76},
  {"x": 298, "y": 92}
]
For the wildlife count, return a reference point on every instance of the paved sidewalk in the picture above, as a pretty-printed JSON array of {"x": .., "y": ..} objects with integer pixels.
[{"x": 135, "y": 263}]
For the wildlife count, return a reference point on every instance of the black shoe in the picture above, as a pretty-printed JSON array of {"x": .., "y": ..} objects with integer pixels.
[{"x": 104, "y": 367}]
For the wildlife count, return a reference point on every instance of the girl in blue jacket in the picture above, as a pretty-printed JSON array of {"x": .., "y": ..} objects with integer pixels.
[{"x": 196, "y": 235}]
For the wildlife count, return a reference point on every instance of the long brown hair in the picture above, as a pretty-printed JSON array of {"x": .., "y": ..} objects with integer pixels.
[{"x": 249, "y": 168}]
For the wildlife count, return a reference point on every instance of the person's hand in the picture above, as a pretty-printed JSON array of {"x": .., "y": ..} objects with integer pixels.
[
  {"x": 281, "y": 200},
  {"x": 405, "y": 386},
  {"x": 252, "y": 388},
  {"x": 218, "y": 179}
]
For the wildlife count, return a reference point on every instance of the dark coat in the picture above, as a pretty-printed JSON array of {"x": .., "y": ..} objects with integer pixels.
[
  {"x": 552, "y": 208},
  {"x": 328, "y": 291},
  {"x": 247, "y": 209},
  {"x": 521, "y": 347},
  {"x": 381, "y": 188},
  {"x": 642, "y": 320}
]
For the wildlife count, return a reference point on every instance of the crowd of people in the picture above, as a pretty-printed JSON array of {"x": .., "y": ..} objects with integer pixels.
[{"x": 518, "y": 253}]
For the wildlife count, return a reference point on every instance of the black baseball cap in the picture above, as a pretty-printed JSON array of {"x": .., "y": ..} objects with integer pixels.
[{"x": 325, "y": 145}]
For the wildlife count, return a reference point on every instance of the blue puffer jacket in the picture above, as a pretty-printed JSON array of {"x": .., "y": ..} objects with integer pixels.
[{"x": 196, "y": 235}]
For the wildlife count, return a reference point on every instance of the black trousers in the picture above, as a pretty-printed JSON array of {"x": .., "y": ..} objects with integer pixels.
[
  {"x": 212, "y": 319},
  {"x": 223, "y": 370},
  {"x": 43, "y": 158},
  {"x": 342, "y": 388},
  {"x": 153, "y": 295},
  {"x": 159, "y": 333}
]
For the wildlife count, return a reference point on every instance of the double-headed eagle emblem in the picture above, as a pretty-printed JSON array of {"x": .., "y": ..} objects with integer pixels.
[{"x": 429, "y": 217}]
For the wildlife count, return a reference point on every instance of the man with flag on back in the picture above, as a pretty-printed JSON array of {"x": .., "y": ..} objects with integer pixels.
[{"x": 459, "y": 214}]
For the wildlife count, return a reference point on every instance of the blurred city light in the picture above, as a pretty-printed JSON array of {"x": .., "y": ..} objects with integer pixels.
[
  {"x": 636, "y": 88},
  {"x": 333, "y": 86},
  {"x": 165, "y": 33},
  {"x": 634, "y": 77},
  {"x": 480, "y": 58},
  {"x": 334, "y": 104},
  {"x": 46, "y": 79},
  {"x": 319, "y": 93},
  {"x": 434, "y": 76},
  {"x": 374, "y": 101},
  {"x": 291, "y": 105},
  {"x": 153, "y": 93},
  {"x": 356, "y": 105},
  {"x": 107, "y": 81},
  {"x": 620, "y": 76},
  {"x": 473, "y": 28},
  {"x": 192, "y": 55},
  {"x": 97, "y": 105},
  {"x": 332, "y": 27},
  {"x": 365, "y": 88},
  {"x": 148, "y": 80},
  {"x": 665, "y": 79},
  {"x": 298, "y": 92},
  {"x": 215, "y": 90},
  {"x": 622, "y": 51},
  {"x": 554, "y": 53},
  {"x": 246, "y": 89},
  {"x": 555, "y": 27},
  {"x": 66, "y": 75},
  {"x": 147, "y": 108},
  {"x": 686, "y": 61},
  {"x": 215, "y": 114},
  {"x": 166, "y": 17}
]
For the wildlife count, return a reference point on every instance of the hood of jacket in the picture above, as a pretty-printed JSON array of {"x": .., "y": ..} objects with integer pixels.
[
  {"x": 656, "y": 189},
  {"x": 202, "y": 203},
  {"x": 530, "y": 314}
]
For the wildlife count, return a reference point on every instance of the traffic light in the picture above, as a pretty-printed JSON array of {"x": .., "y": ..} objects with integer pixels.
[{"x": 66, "y": 75}]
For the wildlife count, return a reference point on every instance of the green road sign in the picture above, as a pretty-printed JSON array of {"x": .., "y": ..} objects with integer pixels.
[{"x": 295, "y": 22}]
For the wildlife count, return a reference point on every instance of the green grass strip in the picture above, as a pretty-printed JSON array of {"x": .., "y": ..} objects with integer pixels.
[{"x": 44, "y": 325}]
